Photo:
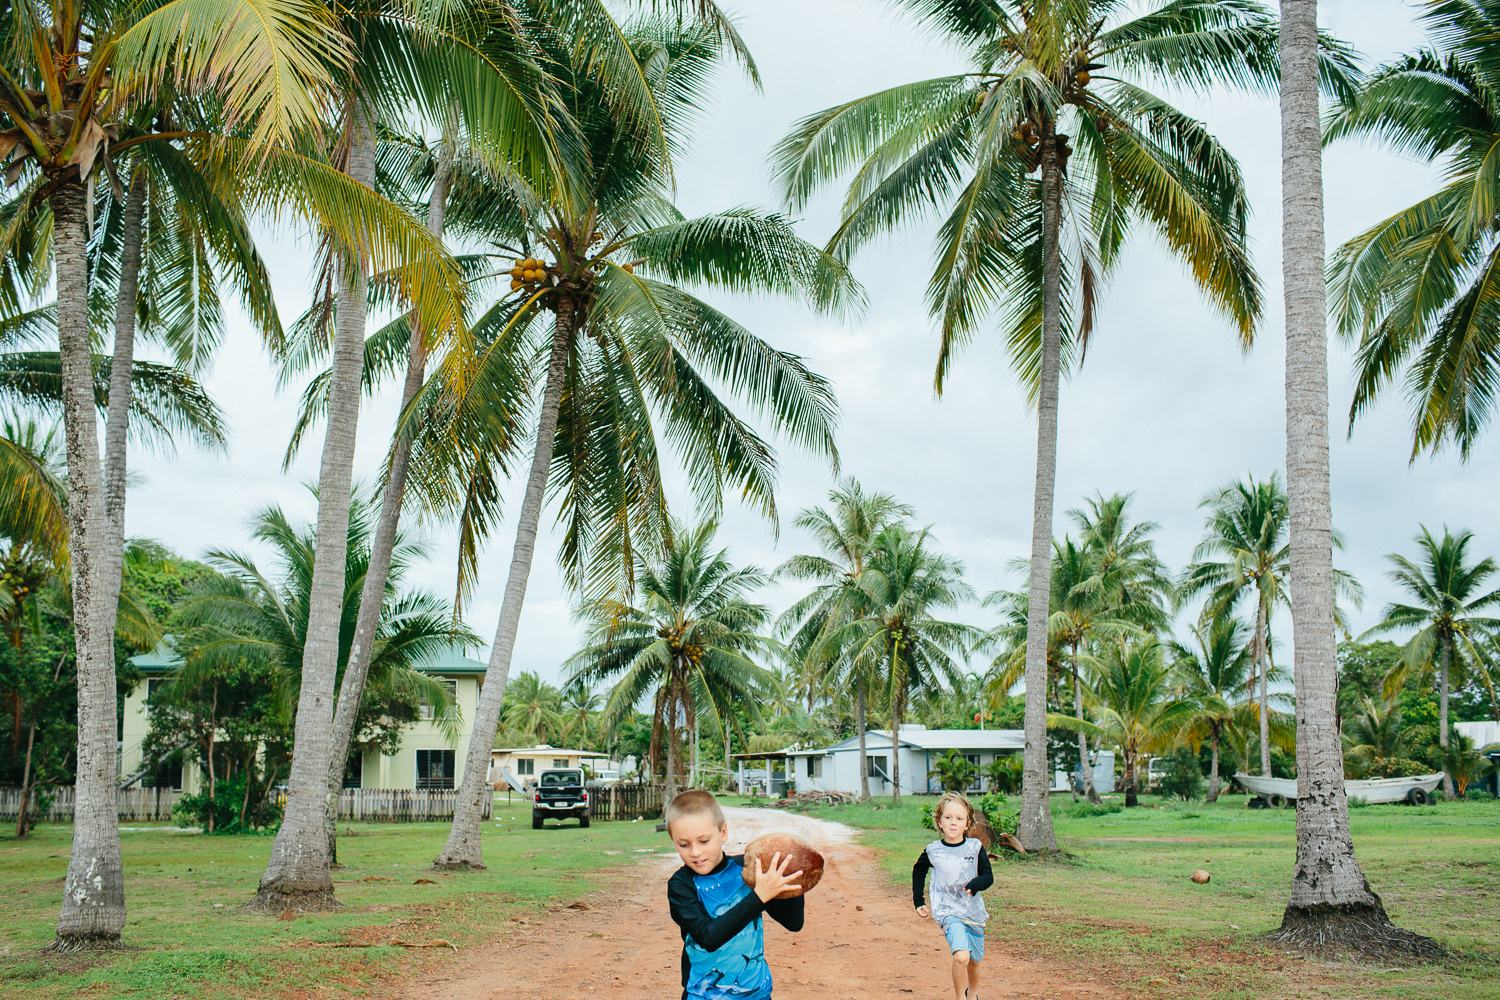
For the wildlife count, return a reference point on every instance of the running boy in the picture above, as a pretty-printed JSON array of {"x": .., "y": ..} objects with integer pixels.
[
  {"x": 723, "y": 950},
  {"x": 960, "y": 871}
]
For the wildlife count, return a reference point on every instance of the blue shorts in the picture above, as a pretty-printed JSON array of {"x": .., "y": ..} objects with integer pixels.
[{"x": 965, "y": 937}]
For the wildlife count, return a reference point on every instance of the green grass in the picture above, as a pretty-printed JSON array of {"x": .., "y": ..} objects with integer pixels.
[
  {"x": 187, "y": 936},
  {"x": 1122, "y": 909}
]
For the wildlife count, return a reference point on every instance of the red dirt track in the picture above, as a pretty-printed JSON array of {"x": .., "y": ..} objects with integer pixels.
[{"x": 862, "y": 940}]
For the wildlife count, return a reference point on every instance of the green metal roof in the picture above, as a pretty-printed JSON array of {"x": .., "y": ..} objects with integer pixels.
[{"x": 449, "y": 660}]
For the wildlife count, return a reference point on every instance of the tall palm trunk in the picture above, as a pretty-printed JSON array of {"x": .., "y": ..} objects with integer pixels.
[
  {"x": 860, "y": 722},
  {"x": 1445, "y": 661},
  {"x": 463, "y": 849},
  {"x": 1260, "y": 668},
  {"x": 1090, "y": 793},
  {"x": 117, "y": 422},
  {"x": 1213, "y": 768},
  {"x": 372, "y": 596},
  {"x": 297, "y": 876},
  {"x": 23, "y": 810},
  {"x": 1035, "y": 825},
  {"x": 93, "y": 907},
  {"x": 1130, "y": 791},
  {"x": 1332, "y": 907},
  {"x": 896, "y": 749}
]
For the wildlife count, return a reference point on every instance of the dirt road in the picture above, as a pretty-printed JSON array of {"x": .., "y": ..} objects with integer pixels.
[{"x": 862, "y": 940}]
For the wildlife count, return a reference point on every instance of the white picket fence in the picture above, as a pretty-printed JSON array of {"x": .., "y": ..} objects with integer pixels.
[
  {"x": 369, "y": 805},
  {"x": 136, "y": 805}
]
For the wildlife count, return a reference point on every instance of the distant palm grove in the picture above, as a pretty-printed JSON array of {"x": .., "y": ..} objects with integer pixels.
[{"x": 489, "y": 190}]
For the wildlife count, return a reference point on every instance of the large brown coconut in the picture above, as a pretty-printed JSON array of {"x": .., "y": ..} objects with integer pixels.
[{"x": 804, "y": 857}]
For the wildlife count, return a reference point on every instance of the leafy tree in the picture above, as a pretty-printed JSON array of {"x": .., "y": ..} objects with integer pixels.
[
  {"x": 629, "y": 356},
  {"x": 1447, "y": 613},
  {"x": 1363, "y": 668},
  {"x": 845, "y": 531},
  {"x": 686, "y": 644},
  {"x": 1036, "y": 252},
  {"x": 580, "y": 714},
  {"x": 1004, "y": 774}
]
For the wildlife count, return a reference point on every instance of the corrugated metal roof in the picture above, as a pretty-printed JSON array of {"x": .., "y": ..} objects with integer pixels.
[{"x": 940, "y": 739}]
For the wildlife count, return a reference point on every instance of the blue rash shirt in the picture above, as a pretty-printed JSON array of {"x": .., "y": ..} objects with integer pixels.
[{"x": 723, "y": 951}]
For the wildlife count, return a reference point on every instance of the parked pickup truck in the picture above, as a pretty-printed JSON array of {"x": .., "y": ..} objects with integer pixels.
[{"x": 560, "y": 793}]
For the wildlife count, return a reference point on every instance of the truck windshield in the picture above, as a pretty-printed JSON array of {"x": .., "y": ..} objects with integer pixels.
[{"x": 561, "y": 778}]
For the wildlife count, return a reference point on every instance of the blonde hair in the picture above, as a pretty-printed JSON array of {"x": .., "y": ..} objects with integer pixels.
[
  {"x": 956, "y": 798},
  {"x": 694, "y": 802}
]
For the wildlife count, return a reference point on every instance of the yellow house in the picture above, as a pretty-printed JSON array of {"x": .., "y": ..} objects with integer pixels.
[
  {"x": 428, "y": 757},
  {"x": 523, "y": 764}
]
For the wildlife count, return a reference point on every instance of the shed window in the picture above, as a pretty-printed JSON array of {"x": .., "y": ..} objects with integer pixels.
[
  {"x": 815, "y": 767},
  {"x": 878, "y": 767},
  {"x": 560, "y": 762},
  {"x": 435, "y": 768},
  {"x": 525, "y": 765}
]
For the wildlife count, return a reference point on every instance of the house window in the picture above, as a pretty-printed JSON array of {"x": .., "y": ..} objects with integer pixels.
[
  {"x": 559, "y": 762},
  {"x": 153, "y": 686},
  {"x": 815, "y": 767},
  {"x": 425, "y": 710},
  {"x": 354, "y": 771},
  {"x": 435, "y": 768},
  {"x": 525, "y": 765},
  {"x": 878, "y": 767},
  {"x": 973, "y": 758},
  {"x": 167, "y": 775}
]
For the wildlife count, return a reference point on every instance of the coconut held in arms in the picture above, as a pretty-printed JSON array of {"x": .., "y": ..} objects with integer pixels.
[{"x": 804, "y": 857}]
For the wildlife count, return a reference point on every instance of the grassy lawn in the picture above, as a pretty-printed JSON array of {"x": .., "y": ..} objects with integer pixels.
[
  {"x": 1124, "y": 911},
  {"x": 188, "y": 938}
]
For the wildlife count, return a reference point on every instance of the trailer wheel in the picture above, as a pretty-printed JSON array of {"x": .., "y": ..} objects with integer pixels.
[
  {"x": 1416, "y": 797},
  {"x": 1277, "y": 801}
]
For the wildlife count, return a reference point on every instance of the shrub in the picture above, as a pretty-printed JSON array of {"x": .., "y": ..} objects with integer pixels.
[
  {"x": 1183, "y": 777},
  {"x": 1358, "y": 802},
  {"x": 225, "y": 808},
  {"x": 1397, "y": 767},
  {"x": 991, "y": 805},
  {"x": 1087, "y": 810}
]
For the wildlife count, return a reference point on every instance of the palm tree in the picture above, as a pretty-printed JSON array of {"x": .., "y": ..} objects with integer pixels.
[
  {"x": 1377, "y": 732},
  {"x": 624, "y": 353},
  {"x": 686, "y": 644},
  {"x": 1214, "y": 677},
  {"x": 580, "y": 714},
  {"x": 1415, "y": 290},
  {"x": 465, "y": 65},
  {"x": 1131, "y": 705},
  {"x": 888, "y": 630},
  {"x": 845, "y": 531},
  {"x": 65, "y": 99},
  {"x": 1247, "y": 525},
  {"x": 971, "y": 141},
  {"x": 244, "y": 612},
  {"x": 1331, "y": 905},
  {"x": 534, "y": 707},
  {"x": 1447, "y": 612}
]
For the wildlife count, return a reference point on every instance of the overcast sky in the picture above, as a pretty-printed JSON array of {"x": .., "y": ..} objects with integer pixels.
[{"x": 1167, "y": 407}]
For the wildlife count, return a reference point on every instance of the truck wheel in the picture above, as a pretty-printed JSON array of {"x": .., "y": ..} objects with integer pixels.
[
  {"x": 583, "y": 821},
  {"x": 1416, "y": 797},
  {"x": 536, "y": 821}
]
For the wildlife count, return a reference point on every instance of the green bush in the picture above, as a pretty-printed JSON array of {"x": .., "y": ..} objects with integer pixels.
[
  {"x": 229, "y": 795},
  {"x": 991, "y": 805},
  {"x": 1397, "y": 767},
  {"x": 1183, "y": 777},
  {"x": 1087, "y": 810}
]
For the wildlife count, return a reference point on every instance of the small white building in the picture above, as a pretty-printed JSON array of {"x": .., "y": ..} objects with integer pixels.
[{"x": 836, "y": 768}]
